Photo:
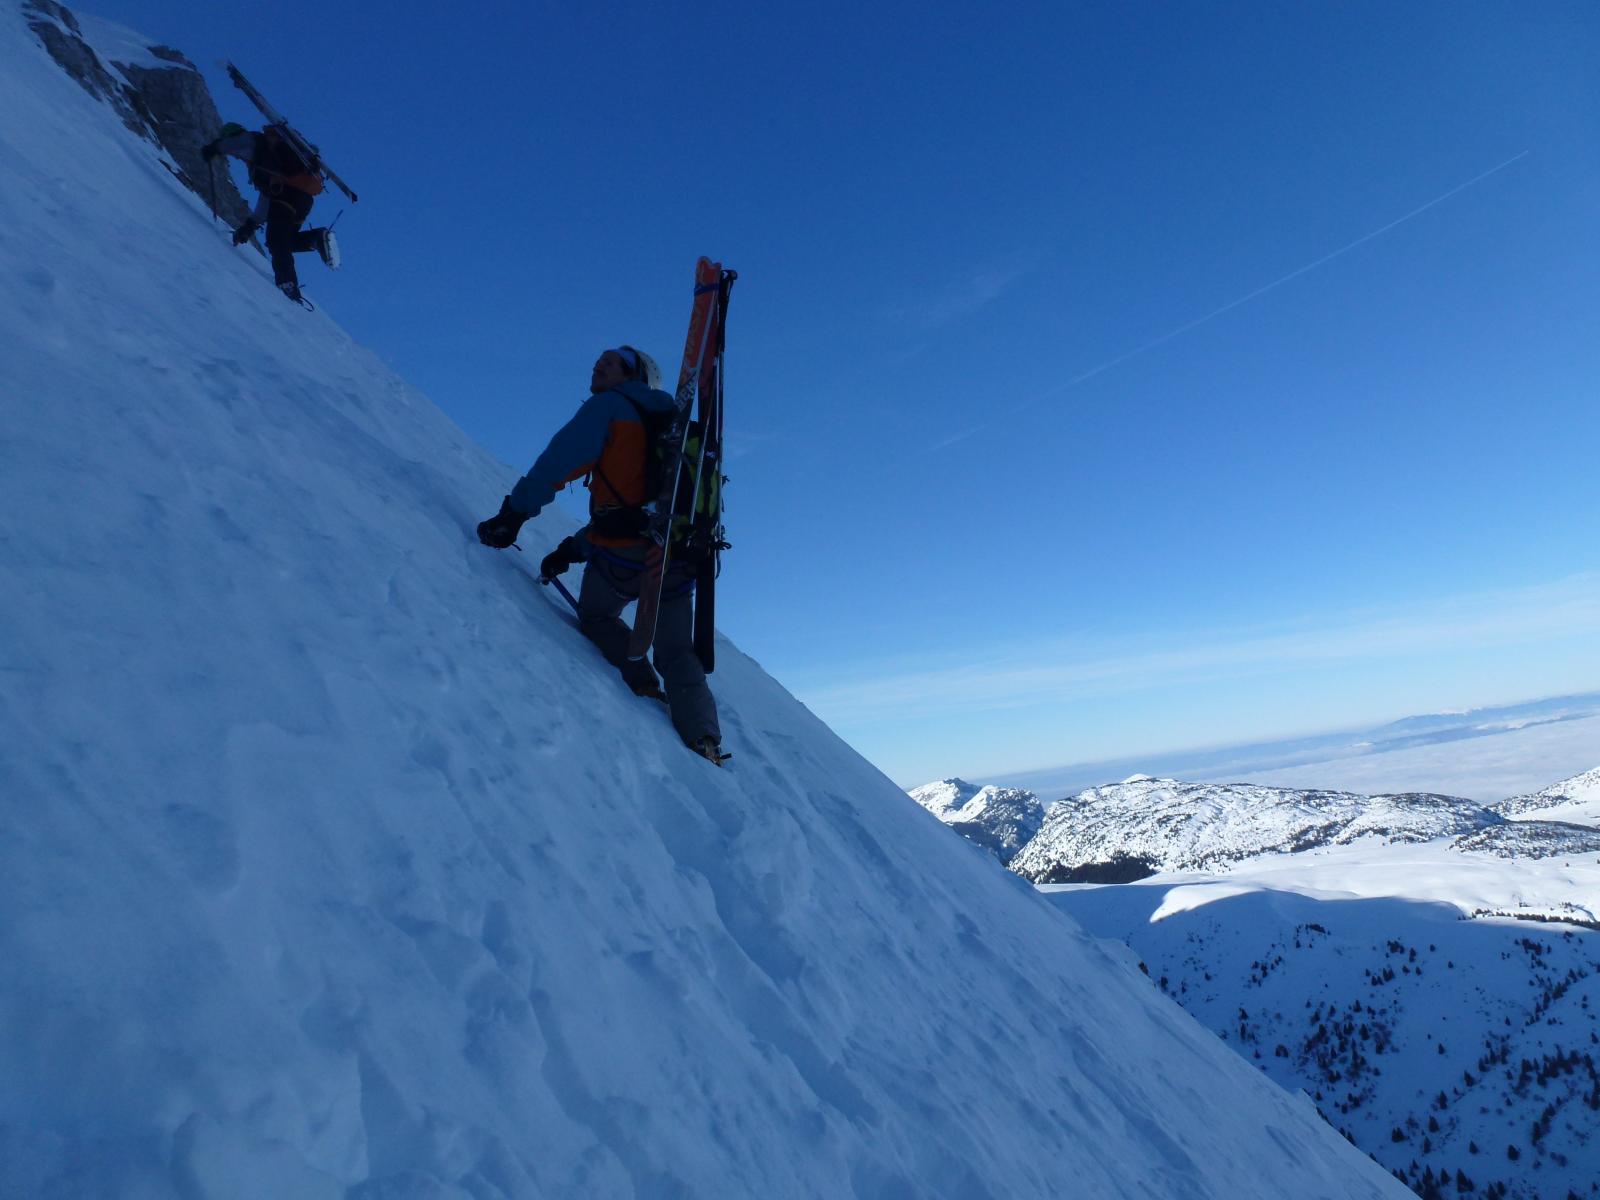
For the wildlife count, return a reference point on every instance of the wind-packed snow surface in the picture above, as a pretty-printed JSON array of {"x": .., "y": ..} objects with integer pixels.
[{"x": 335, "y": 863}]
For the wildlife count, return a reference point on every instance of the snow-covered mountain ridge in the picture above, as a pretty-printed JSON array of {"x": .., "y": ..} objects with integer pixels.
[
  {"x": 1125, "y": 831},
  {"x": 337, "y": 865},
  {"x": 1576, "y": 799},
  {"x": 1001, "y": 820},
  {"x": 1145, "y": 825}
]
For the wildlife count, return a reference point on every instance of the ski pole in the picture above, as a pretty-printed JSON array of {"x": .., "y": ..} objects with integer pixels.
[{"x": 212, "y": 163}]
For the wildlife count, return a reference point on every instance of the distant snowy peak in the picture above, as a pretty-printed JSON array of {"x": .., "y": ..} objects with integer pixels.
[
  {"x": 1000, "y": 819},
  {"x": 944, "y": 795},
  {"x": 1576, "y": 799},
  {"x": 1132, "y": 829}
]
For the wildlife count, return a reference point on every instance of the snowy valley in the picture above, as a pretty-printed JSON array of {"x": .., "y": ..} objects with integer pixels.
[{"x": 1425, "y": 968}]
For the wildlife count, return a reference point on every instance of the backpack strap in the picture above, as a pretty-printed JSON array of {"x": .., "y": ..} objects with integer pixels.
[{"x": 644, "y": 413}]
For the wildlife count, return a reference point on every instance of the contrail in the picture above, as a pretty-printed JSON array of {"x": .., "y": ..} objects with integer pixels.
[{"x": 1228, "y": 307}]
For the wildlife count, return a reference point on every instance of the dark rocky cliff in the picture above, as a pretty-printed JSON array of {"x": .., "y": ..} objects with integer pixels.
[{"x": 168, "y": 105}]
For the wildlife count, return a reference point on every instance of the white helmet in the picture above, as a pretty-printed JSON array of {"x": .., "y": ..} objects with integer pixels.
[{"x": 641, "y": 365}]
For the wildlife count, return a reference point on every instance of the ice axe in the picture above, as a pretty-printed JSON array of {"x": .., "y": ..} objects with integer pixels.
[{"x": 562, "y": 588}]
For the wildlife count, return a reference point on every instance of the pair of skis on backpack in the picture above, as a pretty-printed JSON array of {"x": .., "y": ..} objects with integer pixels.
[{"x": 686, "y": 517}]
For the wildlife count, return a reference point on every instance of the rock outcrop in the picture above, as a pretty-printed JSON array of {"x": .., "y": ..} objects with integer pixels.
[{"x": 163, "y": 99}]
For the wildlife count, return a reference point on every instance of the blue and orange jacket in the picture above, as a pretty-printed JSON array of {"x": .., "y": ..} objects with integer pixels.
[{"x": 605, "y": 440}]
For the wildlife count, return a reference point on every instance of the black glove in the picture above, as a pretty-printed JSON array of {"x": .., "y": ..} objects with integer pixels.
[
  {"x": 209, "y": 151},
  {"x": 500, "y": 530},
  {"x": 245, "y": 232},
  {"x": 558, "y": 560}
]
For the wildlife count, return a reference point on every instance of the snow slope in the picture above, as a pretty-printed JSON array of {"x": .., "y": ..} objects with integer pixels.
[
  {"x": 117, "y": 45},
  {"x": 334, "y": 863}
]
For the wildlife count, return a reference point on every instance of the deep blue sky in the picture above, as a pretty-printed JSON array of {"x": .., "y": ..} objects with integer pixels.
[{"x": 1366, "y": 491}]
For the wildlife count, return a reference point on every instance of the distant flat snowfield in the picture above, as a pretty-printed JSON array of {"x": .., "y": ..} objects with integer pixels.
[
  {"x": 1486, "y": 768},
  {"x": 1429, "y": 872}
]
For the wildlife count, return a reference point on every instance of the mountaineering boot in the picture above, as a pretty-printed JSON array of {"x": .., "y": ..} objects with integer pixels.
[
  {"x": 327, "y": 247},
  {"x": 641, "y": 679},
  {"x": 292, "y": 290},
  {"x": 709, "y": 748}
]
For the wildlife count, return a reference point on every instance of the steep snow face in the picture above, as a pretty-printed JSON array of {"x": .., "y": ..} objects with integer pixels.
[
  {"x": 1000, "y": 819},
  {"x": 120, "y": 47},
  {"x": 1128, "y": 830},
  {"x": 335, "y": 863}
]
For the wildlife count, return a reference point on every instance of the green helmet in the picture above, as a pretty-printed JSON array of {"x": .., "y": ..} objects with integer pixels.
[{"x": 231, "y": 129}]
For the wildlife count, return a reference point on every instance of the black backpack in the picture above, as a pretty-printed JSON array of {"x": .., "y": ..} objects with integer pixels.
[{"x": 697, "y": 506}]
